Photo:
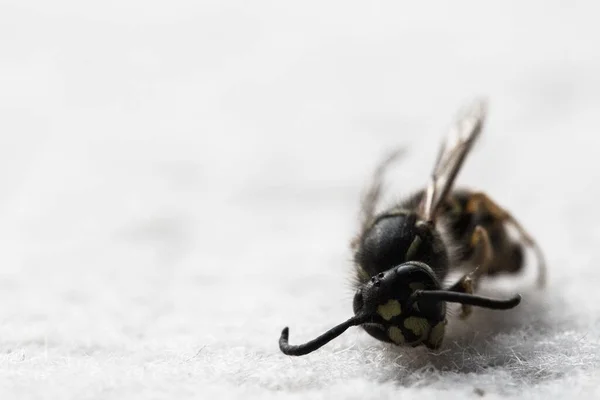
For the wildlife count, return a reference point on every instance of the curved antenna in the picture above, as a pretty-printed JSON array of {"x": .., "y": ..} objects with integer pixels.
[
  {"x": 309, "y": 347},
  {"x": 468, "y": 299}
]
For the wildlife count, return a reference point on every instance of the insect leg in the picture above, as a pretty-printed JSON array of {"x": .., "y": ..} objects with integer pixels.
[
  {"x": 481, "y": 199},
  {"x": 482, "y": 258}
]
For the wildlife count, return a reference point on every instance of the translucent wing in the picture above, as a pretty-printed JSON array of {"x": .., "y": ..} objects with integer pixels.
[{"x": 451, "y": 156}]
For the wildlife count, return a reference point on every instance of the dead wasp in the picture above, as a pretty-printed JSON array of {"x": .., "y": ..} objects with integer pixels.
[{"x": 403, "y": 255}]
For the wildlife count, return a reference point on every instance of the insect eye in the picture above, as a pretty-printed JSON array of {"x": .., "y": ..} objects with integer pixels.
[
  {"x": 358, "y": 302},
  {"x": 376, "y": 280}
]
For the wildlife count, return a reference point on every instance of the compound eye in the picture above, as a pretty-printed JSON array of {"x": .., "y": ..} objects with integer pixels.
[{"x": 358, "y": 302}]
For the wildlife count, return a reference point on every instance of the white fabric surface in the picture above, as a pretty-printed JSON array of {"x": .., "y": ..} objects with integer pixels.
[{"x": 180, "y": 180}]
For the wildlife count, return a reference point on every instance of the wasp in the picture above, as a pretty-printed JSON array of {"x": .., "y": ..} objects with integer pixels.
[{"x": 403, "y": 256}]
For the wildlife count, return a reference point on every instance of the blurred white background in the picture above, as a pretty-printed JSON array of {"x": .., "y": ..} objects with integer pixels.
[{"x": 180, "y": 180}]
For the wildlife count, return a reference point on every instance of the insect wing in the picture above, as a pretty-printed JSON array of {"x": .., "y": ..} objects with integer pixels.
[{"x": 452, "y": 153}]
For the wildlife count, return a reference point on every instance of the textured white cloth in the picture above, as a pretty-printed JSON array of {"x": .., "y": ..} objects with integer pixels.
[{"x": 180, "y": 181}]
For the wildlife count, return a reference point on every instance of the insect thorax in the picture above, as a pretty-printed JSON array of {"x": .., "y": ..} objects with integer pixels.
[{"x": 392, "y": 239}]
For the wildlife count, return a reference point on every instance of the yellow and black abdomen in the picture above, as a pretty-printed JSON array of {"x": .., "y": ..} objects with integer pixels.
[{"x": 462, "y": 213}]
